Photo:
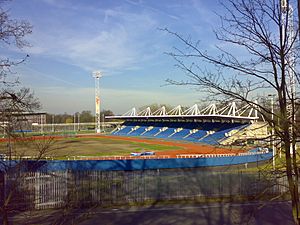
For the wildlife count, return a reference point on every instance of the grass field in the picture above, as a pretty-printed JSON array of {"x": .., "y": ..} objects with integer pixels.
[{"x": 84, "y": 146}]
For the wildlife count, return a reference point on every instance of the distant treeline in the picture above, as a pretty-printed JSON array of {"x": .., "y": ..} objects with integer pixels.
[{"x": 85, "y": 116}]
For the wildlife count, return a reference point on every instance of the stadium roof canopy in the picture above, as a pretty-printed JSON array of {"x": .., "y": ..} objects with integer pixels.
[{"x": 229, "y": 112}]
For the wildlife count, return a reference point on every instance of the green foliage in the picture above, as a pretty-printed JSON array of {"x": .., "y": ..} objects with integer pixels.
[
  {"x": 69, "y": 120},
  {"x": 86, "y": 116}
]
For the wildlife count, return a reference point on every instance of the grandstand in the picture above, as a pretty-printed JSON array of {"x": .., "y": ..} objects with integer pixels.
[
  {"x": 210, "y": 125},
  {"x": 21, "y": 121}
]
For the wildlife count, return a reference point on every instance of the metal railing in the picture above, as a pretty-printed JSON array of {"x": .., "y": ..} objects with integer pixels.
[{"x": 78, "y": 188}]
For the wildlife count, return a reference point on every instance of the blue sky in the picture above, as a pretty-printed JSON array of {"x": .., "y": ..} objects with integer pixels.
[{"x": 72, "y": 38}]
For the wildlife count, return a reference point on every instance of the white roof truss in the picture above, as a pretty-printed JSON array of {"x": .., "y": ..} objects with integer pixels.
[
  {"x": 224, "y": 109},
  {"x": 145, "y": 112},
  {"x": 232, "y": 109},
  {"x": 176, "y": 111},
  {"x": 160, "y": 112},
  {"x": 209, "y": 110},
  {"x": 228, "y": 111},
  {"x": 194, "y": 110},
  {"x": 131, "y": 112}
]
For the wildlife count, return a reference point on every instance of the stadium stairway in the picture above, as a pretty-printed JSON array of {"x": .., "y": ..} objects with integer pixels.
[
  {"x": 133, "y": 130},
  {"x": 116, "y": 130},
  {"x": 138, "y": 131},
  {"x": 124, "y": 131},
  {"x": 165, "y": 132},
  {"x": 194, "y": 137},
  {"x": 179, "y": 135},
  {"x": 151, "y": 132},
  {"x": 147, "y": 129}
]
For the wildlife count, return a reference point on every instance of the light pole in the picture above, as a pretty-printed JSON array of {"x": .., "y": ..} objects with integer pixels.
[
  {"x": 53, "y": 123},
  {"x": 78, "y": 115},
  {"x": 97, "y": 75},
  {"x": 74, "y": 120},
  {"x": 272, "y": 130},
  {"x": 42, "y": 125}
]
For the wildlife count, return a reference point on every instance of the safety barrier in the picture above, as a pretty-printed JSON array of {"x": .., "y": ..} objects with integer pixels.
[
  {"x": 146, "y": 163},
  {"x": 180, "y": 156},
  {"x": 44, "y": 190}
]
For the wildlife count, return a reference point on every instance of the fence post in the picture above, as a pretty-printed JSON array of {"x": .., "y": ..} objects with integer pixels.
[
  {"x": 158, "y": 185},
  {"x": 37, "y": 190},
  {"x": 240, "y": 176},
  {"x": 2, "y": 187},
  {"x": 220, "y": 184}
]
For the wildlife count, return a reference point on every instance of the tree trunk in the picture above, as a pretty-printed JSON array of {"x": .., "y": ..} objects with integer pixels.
[
  {"x": 299, "y": 19},
  {"x": 5, "y": 217},
  {"x": 292, "y": 181}
]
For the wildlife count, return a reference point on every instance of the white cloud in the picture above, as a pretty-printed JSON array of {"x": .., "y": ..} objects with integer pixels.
[
  {"x": 107, "y": 49},
  {"x": 116, "y": 44}
]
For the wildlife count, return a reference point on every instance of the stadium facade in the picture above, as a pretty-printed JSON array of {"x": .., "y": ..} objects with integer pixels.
[{"x": 210, "y": 125}]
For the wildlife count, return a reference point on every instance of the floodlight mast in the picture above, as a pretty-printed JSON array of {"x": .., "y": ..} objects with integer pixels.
[
  {"x": 97, "y": 75},
  {"x": 287, "y": 18}
]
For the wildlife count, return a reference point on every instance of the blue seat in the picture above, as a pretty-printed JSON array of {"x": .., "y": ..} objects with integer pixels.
[
  {"x": 152, "y": 132},
  {"x": 181, "y": 134},
  {"x": 138, "y": 131},
  {"x": 201, "y": 135},
  {"x": 166, "y": 133}
]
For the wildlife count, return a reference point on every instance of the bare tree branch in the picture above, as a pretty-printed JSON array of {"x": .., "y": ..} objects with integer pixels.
[{"x": 264, "y": 32}]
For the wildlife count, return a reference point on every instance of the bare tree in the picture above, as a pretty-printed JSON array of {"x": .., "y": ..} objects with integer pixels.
[
  {"x": 299, "y": 16},
  {"x": 14, "y": 101},
  {"x": 12, "y": 33},
  {"x": 15, "y": 171},
  {"x": 266, "y": 38},
  {"x": 13, "y": 105}
]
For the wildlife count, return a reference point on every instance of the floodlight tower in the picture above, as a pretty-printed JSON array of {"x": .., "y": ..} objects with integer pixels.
[
  {"x": 97, "y": 75},
  {"x": 288, "y": 21},
  {"x": 287, "y": 18}
]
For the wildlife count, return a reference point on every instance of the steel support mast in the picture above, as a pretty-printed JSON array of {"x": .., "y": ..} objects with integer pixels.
[
  {"x": 97, "y": 75},
  {"x": 288, "y": 36}
]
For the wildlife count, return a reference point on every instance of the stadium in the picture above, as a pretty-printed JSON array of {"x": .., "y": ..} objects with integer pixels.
[
  {"x": 207, "y": 164},
  {"x": 209, "y": 137},
  {"x": 206, "y": 134},
  {"x": 210, "y": 125},
  {"x": 195, "y": 153},
  {"x": 206, "y": 159}
]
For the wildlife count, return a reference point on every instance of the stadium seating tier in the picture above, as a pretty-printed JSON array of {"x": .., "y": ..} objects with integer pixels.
[{"x": 207, "y": 132}]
